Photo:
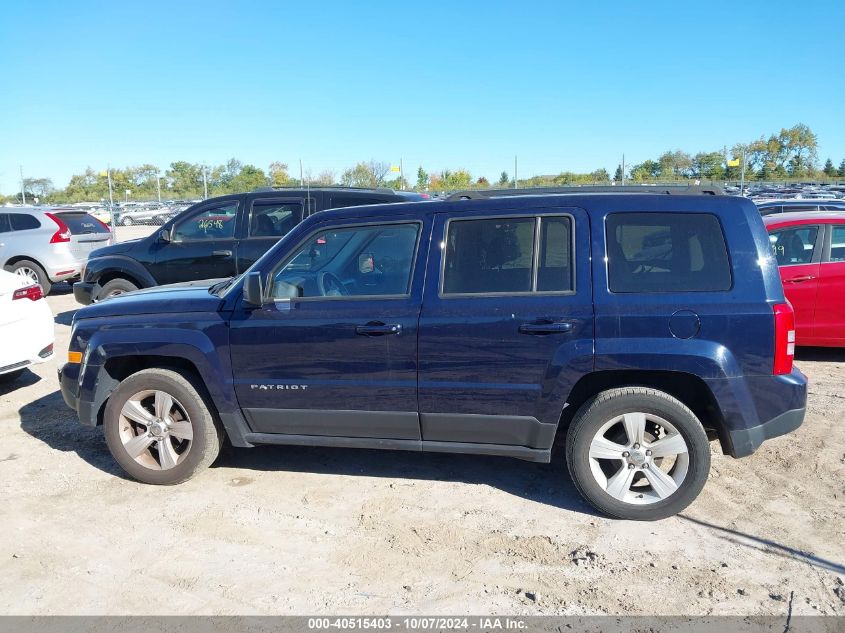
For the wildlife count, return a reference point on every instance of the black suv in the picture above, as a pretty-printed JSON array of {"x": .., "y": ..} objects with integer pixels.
[{"x": 219, "y": 237}]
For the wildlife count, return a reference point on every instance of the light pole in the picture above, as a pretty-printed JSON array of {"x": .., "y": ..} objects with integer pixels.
[{"x": 158, "y": 186}]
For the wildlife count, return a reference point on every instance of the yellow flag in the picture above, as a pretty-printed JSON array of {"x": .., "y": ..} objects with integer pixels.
[
  {"x": 733, "y": 163},
  {"x": 104, "y": 174},
  {"x": 395, "y": 168}
]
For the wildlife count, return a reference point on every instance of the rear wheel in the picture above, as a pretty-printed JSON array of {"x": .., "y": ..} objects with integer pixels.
[
  {"x": 126, "y": 221},
  {"x": 32, "y": 271},
  {"x": 116, "y": 287},
  {"x": 159, "y": 428},
  {"x": 637, "y": 453}
]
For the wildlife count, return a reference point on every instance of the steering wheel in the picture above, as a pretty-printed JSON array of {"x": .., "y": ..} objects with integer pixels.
[{"x": 330, "y": 286}]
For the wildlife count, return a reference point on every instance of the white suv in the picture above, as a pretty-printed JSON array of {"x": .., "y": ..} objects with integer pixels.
[{"x": 48, "y": 245}]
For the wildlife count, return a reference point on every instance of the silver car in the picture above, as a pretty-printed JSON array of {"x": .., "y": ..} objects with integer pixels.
[{"x": 48, "y": 245}]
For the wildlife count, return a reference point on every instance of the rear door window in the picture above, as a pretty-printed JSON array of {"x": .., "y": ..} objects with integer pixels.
[
  {"x": 508, "y": 256},
  {"x": 794, "y": 245},
  {"x": 666, "y": 252},
  {"x": 23, "y": 221},
  {"x": 274, "y": 219},
  {"x": 5, "y": 227},
  {"x": 837, "y": 244}
]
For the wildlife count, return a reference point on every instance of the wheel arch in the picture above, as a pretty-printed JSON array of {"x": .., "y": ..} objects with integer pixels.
[{"x": 690, "y": 389}]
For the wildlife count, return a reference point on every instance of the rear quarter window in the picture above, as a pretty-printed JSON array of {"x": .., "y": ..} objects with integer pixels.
[
  {"x": 666, "y": 252},
  {"x": 23, "y": 221}
]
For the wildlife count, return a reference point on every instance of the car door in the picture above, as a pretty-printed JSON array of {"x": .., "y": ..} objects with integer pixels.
[
  {"x": 506, "y": 326},
  {"x": 5, "y": 230},
  {"x": 265, "y": 222},
  {"x": 798, "y": 253},
  {"x": 202, "y": 245},
  {"x": 334, "y": 351},
  {"x": 830, "y": 301}
]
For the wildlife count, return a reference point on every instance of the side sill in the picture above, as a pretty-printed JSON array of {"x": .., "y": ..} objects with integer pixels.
[{"x": 519, "y": 452}]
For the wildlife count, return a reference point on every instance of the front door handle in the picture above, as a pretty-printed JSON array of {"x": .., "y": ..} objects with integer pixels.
[
  {"x": 376, "y": 328},
  {"x": 225, "y": 253},
  {"x": 548, "y": 327},
  {"x": 799, "y": 279}
]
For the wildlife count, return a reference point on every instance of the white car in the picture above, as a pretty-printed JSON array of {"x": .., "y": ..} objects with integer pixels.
[{"x": 26, "y": 326}]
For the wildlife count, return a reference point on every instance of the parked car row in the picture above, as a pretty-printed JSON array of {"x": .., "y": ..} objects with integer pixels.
[{"x": 632, "y": 327}]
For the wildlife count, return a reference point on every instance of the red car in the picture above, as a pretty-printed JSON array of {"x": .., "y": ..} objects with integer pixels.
[{"x": 810, "y": 249}]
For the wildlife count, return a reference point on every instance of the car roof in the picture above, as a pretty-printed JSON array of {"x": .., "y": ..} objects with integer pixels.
[
  {"x": 805, "y": 217},
  {"x": 599, "y": 201}
]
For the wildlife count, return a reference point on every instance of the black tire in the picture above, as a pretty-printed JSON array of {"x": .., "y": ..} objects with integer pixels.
[
  {"x": 11, "y": 376},
  {"x": 606, "y": 406},
  {"x": 36, "y": 269},
  {"x": 116, "y": 287},
  {"x": 207, "y": 432}
]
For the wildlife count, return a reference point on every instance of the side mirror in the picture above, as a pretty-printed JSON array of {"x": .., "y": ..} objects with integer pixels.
[
  {"x": 164, "y": 235},
  {"x": 253, "y": 290}
]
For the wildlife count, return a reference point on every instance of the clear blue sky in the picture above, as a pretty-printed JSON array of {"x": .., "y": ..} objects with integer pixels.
[{"x": 565, "y": 85}]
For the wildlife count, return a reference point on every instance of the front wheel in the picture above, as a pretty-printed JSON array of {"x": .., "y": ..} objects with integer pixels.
[
  {"x": 637, "y": 453},
  {"x": 116, "y": 287},
  {"x": 159, "y": 428}
]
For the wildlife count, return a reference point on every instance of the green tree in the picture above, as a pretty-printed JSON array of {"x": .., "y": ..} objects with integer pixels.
[
  {"x": 841, "y": 173},
  {"x": 458, "y": 179},
  {"x": 248, "y": 178},
  {"x": 41, "y": 188},
  {"x": 504, "y": 180},
  {"x": 600, "y": 175},
  {"x": 675, "y": 164},
  {"x": 829, "y": 169},
  {"x": 618, "y": 175},
  {"x": 647, "y": 170},
  {"x": 422, "y": 179},
  {"x": 184, "y": 179},
  {"x": 366, "y": 174},
  {"x": 279, "y": 176},
  {"x": 708, "y": 165}
]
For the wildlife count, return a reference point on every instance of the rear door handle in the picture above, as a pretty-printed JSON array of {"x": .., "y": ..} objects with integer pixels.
[
  {"x": 798, "y": 280},
  {"x": 556, "y": 327},
  {"x": 221, "y": 253},
  {"x": 378, "y": 329}
]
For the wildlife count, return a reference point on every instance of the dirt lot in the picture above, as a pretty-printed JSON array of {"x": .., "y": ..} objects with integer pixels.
[{"x": 278, "y": 530}]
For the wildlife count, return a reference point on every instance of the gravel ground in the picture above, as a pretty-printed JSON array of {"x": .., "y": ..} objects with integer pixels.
[{"x": 287, "y": 530}]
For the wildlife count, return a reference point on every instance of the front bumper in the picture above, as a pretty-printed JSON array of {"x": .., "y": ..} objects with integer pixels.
[{"x": 83, "y": 292}]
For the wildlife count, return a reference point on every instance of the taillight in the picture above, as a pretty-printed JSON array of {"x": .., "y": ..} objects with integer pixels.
[
  {"x": 784, "y": 338},
  {"x": 63, "y": 234},
  {"x": 33, "y": 293}
]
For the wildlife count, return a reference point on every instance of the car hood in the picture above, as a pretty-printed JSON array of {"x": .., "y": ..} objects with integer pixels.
[
  {"x": 192, "y": 296},
  {"x": 115, "y": 249}
]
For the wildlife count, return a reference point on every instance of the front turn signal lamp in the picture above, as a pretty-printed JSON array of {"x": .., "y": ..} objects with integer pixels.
[{"x": 74, "y": 357}]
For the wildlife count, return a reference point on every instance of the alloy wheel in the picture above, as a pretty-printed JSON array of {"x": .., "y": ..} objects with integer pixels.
[{"x": 155, "y": 429}]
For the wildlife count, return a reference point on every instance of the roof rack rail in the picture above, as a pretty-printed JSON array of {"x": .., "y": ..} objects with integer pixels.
[
  {"x": 344, "y": 187},
  {"x": 482, "y": 194}
]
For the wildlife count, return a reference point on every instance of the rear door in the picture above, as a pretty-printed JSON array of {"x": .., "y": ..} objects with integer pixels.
[
  {"x": 265, "y": 222},
  {"x": 506, "y": 326},
  {"x": 830, "y": 302},
  {"x": 798, "y": 253},
  {"x": 202, "y": 245},
  {"x": 86, "y": 233}
]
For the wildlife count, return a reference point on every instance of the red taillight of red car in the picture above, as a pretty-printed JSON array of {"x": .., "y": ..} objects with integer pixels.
[
  {"x": 784, "y": 338},
  {"x": 33, "y": 293},
  {"x": 63, "y": 233}
]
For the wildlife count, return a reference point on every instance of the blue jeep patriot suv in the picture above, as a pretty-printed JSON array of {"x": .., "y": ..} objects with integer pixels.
[{"x": 633, "y": 328}]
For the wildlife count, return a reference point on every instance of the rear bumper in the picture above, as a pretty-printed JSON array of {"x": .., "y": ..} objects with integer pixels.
[
  {"x": 758, "y": 408},
  {"x": 746, "y": 441},
  {"x": 83, "y": 292}
]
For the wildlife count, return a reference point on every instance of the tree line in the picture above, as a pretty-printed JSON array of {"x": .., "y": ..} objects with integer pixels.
[{"x": 791, "y": 153}]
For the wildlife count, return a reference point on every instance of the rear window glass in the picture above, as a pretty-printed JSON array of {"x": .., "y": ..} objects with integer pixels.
[
  {"x": 81, "y": 223},
  {"x": 23, "y": 221},
  {"x": 666, "y": 252}
]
